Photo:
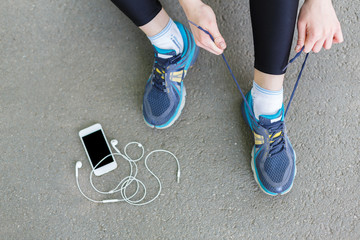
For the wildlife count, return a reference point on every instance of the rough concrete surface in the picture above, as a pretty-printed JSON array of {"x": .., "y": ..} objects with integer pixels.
[{"x": 65, "y": 65}]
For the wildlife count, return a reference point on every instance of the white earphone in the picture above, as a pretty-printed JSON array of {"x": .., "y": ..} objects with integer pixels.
[
  {"x": 78, "y": 165},
  {"x": 114, "y": 142},
  {"x": 127, "y": 181}
]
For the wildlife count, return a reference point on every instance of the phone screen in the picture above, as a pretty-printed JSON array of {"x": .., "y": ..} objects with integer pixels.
[{"x": 97, "y": 148}]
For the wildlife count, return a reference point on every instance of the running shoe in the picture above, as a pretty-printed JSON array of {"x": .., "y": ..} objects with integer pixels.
[
  {"x": 165, "y": 92},
  {"x": 273, "y": 157}
]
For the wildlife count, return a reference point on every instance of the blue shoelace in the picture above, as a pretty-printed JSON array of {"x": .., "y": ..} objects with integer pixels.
[
  {"x": 278, "y": 144},
  {"x": 160, "y": 67}
]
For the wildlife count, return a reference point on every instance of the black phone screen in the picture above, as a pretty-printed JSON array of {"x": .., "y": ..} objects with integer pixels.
[{"x": 97, "y": 148}]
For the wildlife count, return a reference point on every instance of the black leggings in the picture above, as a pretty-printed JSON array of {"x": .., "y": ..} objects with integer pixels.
[{"x": 273, "y": 23}]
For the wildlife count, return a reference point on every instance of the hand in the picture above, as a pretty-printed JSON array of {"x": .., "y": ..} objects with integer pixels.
[
  {"x": 318, "y": 26},
  {"x": 204, "y": 16}
]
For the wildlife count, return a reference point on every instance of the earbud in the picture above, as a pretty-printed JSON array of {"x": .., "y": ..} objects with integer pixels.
[
  {"x": 114, "y": 142},
  {"x": 78, "y": 165}
]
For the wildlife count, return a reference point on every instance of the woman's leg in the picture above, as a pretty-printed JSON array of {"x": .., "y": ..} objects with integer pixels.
[
  {"x": 153, "y": 20},
  {"x": 148, "y": 15},
  {"x": 273, "y": 158},
  {"x": 140, "y": 12},
  {"x": 273, "y": 24},
  {"x": 175, "y": 52},
  {"x": 157, "y": 24}
]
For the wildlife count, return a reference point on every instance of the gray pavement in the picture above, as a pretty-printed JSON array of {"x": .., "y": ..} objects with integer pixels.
[{"x": 65, "y": 65}]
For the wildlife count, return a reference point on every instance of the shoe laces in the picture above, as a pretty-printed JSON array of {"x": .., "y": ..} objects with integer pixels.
[
  {"x": 276, "y": 137},
  {"x": 160, "y": 68}
]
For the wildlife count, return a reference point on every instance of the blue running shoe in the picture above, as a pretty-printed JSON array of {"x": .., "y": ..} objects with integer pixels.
[
  {"x": 273, "y": 157},
  {"x": 165, "y": 92}
]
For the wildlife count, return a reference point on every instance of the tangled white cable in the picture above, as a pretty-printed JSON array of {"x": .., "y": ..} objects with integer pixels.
[{"x": 127, "y": 181}]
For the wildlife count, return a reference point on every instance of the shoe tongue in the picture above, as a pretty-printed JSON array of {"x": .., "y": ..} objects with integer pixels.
[
  {"x": 266, "y": 120},
  {"x": 164, "y": 53}
]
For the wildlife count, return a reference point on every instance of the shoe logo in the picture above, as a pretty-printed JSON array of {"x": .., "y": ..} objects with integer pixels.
[
  {"x": 258, "y": 139},
  {"x": 177, "y": 76}
]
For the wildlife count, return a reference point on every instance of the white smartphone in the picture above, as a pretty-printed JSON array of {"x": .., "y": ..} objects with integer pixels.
[{"x": 96, "y": 148}]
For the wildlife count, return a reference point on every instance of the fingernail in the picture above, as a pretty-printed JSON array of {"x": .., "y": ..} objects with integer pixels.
[
  {"x": 297, "y": 48},
  {"x": 222, "y": 45}
]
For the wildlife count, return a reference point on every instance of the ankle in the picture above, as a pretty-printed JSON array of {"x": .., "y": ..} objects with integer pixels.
[
  {"x": 169, "y": 38},
  {"x": 266, "y": 102},
  {"x": 156, "y": 25},
  {"x": 268, "y": 81}
]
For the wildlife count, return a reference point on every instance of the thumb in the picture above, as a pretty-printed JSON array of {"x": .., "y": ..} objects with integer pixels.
[
  {"x": 218, "y": 39},
  {"x": 220, "y": 42},
  {"x": 301, "y": 36},
  {"x": 338, "y": 37}
]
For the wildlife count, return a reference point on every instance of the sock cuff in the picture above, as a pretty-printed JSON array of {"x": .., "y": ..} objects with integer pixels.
[
  {"x": 266, "y": 91},
  {"x": 163, "y": 32}
]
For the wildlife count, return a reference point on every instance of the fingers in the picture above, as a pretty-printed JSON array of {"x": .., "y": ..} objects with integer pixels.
[
  {"x": 210, "y": 48},
  {"x": 217, "y": 46},
  {"x": 338, "y": 36},
  {"x": 301, "y": 36},
  {"x": 316, "y": 42},
  {"x": 318, "y": 27},
  {"x": 204, "y": 16},
  {"x": 327, "y": 44},
  {"x": 218, "y": 39},
  {"x": 205, "y": 42},
  {"x": 310, "y": 42},
  {"x": 318, "y": 45},
  {"x": 332, "y": 38}
]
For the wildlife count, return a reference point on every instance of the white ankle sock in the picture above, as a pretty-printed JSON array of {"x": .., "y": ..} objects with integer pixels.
[
  {"x": 169, "y": 38},
  {"x": 266, "y": 102}
]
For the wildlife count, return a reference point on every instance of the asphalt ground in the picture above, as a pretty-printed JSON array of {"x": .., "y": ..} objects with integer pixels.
[{"x": 68, "y": 64}]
